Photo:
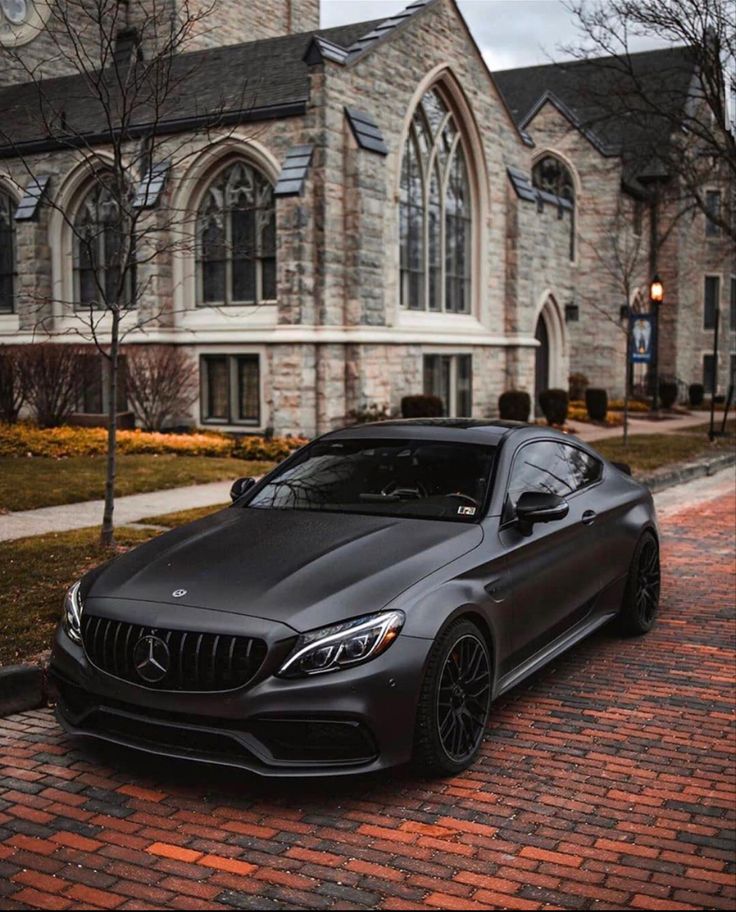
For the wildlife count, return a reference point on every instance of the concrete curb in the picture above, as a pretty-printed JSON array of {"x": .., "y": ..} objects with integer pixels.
[
  {"x": 658, "y": 481},
  {"x": 22, "y": 687}
]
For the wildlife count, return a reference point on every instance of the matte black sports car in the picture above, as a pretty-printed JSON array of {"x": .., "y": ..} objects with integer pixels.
[{"x": 363, "y": 604}]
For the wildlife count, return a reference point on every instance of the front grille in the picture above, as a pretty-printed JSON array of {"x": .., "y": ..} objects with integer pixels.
[{"x": 192, "y": 661}]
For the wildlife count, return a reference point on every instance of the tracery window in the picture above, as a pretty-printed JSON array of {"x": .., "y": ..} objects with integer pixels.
[
  {"x": 98, "y": 249},
  {"x": 236, "y": 239},
  {"x": 551, "y": 174},
  {"x": 435, "y": 212},
  {"x": 7, "y": 253}
]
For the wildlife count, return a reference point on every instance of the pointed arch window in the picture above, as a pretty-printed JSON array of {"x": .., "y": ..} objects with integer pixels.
[
  {"x": 553, "y": 176},
  {"x": 98, "y": 249},
  {"x": 435, "y": 212},
  {"x": 236, "y": 239},
  {"x": 7, "y": 253}
]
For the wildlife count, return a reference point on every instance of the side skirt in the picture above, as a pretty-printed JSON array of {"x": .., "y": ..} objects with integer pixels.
[{"x": 550, "y": 652}]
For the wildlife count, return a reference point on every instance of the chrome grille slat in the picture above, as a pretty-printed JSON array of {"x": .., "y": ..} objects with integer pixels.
[{"x": 197, "y": 661}]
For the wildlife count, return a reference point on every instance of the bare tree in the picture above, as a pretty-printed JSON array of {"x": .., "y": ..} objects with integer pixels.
[
  {"x": 161, "y": 384},
  {"x": 129, "y": 88},
  {"x": 680, "y": 117},
  {"x": 53, "y": 377},
  {"x": 13, "y": 392}
]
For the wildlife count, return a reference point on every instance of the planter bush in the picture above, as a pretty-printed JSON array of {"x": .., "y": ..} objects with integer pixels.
[
  {"x": 667, "y": 393},
  {"x": 578, "y": 384},
  {"x": 554, "y": 404},
  {"x": 514, "y": 405},
  {"x": 422, "y": 407},
  {"x": 696, "y": 394},
  {"x": 596, "y": 402}
]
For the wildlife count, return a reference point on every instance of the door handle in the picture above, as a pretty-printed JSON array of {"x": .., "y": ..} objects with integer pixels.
[{"x": 589, "y": 517}]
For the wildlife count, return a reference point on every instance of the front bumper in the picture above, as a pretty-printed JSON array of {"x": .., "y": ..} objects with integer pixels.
[{"x": 355, "y": 720}]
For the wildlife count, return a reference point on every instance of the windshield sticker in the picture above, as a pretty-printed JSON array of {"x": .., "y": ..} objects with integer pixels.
[{"x": 466, "y": 511}]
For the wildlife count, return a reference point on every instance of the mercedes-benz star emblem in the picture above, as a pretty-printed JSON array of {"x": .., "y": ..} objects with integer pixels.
[
  {"x": 151, "y": 659},
  {"x": 178, "y": 593}
]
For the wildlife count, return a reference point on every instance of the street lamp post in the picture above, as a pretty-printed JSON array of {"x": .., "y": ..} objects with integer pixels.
[{"x": 656, "y": 297}]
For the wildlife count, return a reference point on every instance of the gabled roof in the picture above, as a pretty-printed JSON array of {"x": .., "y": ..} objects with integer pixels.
[
  {"x": 238, "y": 82},
  {"x": 600, "y": 96}
]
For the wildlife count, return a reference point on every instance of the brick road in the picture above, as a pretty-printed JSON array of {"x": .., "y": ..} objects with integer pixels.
[{"x": 607, "y": 781}]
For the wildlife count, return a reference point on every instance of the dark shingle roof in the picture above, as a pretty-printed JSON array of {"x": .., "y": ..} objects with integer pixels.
[
  {"x": 603, "y": 96},
  {"x": 257, "y": 79}
]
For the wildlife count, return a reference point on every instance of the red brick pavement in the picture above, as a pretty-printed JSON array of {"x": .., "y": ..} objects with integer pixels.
[{"x": 606, "y": 781}]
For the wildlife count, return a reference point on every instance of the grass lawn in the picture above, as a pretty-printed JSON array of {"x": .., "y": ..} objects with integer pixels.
[
  {"x": 646, "y": 452},
  {"x": 172, "y": 520},
  {"x": 43, "y": 482}
]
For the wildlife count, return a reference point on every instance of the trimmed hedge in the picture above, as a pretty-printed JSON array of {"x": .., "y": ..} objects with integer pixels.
[
  {"x": 667, "y": 393},
  {"x": 514, "y": 405},
  {"x": 696, "y": 394},
  {"x": 596, "y": 402},
  {"x": 422, "y": 407},
  {"x": 28, "y": 440},
  {"x": 554, "y": 404}
]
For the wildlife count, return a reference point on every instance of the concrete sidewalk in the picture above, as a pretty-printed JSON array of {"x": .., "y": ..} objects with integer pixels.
[
  {"x": 639, "y": 425},
  {"x": 130, "y": 509}
]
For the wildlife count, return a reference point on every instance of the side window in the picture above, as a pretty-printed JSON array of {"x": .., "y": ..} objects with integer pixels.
[{"x": 553, "y": 468}]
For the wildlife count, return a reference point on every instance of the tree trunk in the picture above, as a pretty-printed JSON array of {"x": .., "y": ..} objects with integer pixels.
[
  {"x": 626, "y": 384},
  {"x": 107, "y": 533}
]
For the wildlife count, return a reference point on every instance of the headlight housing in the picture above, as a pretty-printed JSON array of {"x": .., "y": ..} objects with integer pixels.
[
  {"x": 343, "y": 645},
  {"x": 71, "y": 618}
]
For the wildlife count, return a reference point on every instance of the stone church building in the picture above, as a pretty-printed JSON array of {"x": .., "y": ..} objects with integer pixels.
[{"x": 373, "y": 214}]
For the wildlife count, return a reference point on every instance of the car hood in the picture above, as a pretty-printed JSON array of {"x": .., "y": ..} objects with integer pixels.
[{"x": 303, "y": 569}]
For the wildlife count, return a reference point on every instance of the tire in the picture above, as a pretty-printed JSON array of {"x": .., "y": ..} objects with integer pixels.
[
  {"x": 454, "y": 702},
  {"x": 641, "y": 596}
]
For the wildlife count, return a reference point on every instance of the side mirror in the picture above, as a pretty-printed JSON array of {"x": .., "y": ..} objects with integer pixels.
[
  {"x": 240, "y": 487},
  {"x": 539, "y": 507}
]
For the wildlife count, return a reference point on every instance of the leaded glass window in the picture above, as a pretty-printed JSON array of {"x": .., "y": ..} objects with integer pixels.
[
  {"x": 98, "y": 249},
  {"x": 236, "y": 239},
  {"x": 435, "y": 212},
  {"x": 551, "y": 175},
  {"x": 7, "y": 254},
  {"x": 231, "y": 389}
]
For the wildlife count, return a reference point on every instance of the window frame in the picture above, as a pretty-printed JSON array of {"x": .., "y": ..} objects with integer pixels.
[
  {"x": 453, "y": 379},
  {"x": 212, "y": 180},
  {"x": 435, "y": 153},
  {"x": 506, "y": 519},
  {"x": 706, "y": 376},
  {"x": 6, "y": 198},
  {"x": 233, "y": 363},
  {"x": 709, "y": 327},
  {"x": 713, "y": 229}
]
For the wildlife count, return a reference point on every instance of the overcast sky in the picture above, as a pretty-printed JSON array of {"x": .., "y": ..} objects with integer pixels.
[{"x": 511, "y": 33}]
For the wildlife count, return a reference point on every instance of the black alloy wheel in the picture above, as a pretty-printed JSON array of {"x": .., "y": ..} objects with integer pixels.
[
  {"x": 455, "y": 701},
  {"x": 641, "y": 597}
]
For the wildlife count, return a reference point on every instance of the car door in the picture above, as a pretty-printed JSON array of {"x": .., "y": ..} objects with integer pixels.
[{"x": 553, "y": 572}]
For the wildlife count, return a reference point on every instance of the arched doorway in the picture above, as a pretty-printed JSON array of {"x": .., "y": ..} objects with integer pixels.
[{"x": 541, "y": 359}]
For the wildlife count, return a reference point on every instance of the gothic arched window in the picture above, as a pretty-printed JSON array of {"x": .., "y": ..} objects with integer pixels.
[
  {"x": 551, "y": 174},
  {"x": 98, "y": 248},
  {"x": 435, "y": 215},
  {"x": 236, "y": 239},
  {"x": 7, "y": 253}
]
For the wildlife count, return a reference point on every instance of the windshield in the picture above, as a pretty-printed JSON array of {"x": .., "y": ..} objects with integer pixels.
[{"x": 413, "y": 478}]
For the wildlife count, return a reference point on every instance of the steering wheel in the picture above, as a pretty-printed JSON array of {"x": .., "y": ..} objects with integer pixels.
[{"x": 410, "y": 493}]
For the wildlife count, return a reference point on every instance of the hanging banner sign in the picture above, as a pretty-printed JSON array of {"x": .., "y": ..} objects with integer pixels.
[{"x": 641, "y": 328}]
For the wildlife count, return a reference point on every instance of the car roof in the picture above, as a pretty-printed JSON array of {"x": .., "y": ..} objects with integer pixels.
[{"x": 460, "y": 430}]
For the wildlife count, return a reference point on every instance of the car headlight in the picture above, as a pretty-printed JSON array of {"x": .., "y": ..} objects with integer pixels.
[
  {"x": 71, "y": 618},
  {"x": 343, "y": 645}
]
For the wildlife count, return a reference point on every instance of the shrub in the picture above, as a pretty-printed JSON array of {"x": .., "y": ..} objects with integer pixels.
[
  {"x": 696, "y": 394},
  {"x": 161, "y": 383},
  {"x": 54, "y": 375},
  {"x": 667, "y": 393},
  {"x": 367, "y": 413},
  {"x": 12, "y": 383},
  {"x": 26, "y": 440},
  {"x": 554, "y": 403},
  {"x": 596, "y": 402},
  {"x": 514, "y": 405},
  {"x": 578, "y": 384},
  {"x": 422, "y": 407}
]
